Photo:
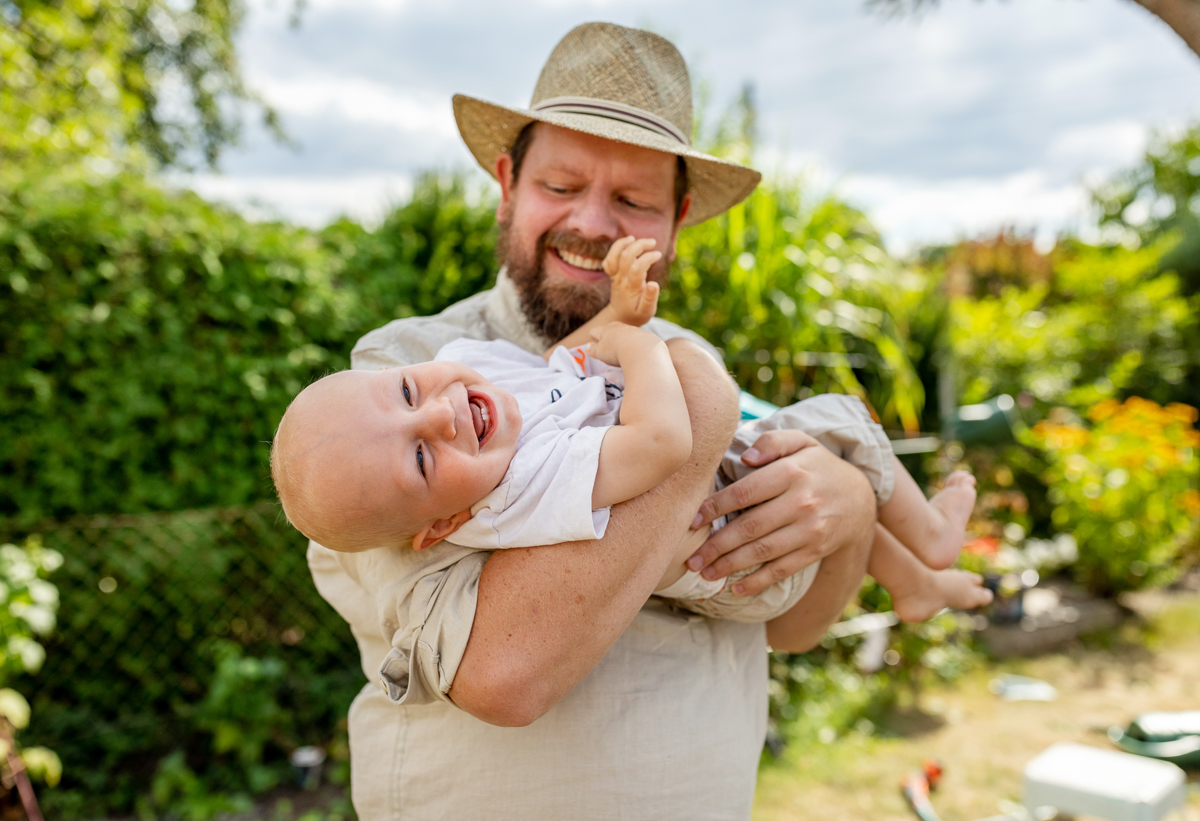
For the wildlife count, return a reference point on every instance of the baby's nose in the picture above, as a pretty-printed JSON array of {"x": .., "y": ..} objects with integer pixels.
[{"x": 440, "y": 418}]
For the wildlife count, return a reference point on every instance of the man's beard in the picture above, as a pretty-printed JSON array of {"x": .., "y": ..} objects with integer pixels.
[{"x": 556, "y": 307}]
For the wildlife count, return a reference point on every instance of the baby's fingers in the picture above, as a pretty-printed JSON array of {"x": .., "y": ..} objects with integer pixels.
[
  {"x": 631, "y": 254},
  {"x": 612, "y": 260},
  {"x": 641, "y": 265},
  {"x": 648, "y": 301}
]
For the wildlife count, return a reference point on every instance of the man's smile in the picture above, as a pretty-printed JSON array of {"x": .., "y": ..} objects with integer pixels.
[
  {"x": 577, "y": 267},
  {"x": 580, "y": 261}
]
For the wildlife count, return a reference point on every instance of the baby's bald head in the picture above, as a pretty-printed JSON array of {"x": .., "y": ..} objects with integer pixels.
[{"x": 330, "y": 472}]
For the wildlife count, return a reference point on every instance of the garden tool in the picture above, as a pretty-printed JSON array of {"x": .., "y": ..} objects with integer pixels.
[
  {"x": 916, "y": 787},
  {"x": 1173, "y": 737}
]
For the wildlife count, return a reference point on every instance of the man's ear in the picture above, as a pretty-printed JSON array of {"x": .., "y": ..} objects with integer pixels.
[
  {"x": 684, "y": 207},
  {"x": 504, "y": 165},
  {"x": 434, "y": 533}
]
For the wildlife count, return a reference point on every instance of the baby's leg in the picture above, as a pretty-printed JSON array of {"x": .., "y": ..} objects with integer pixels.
[
  {"x": 688, "y": 545},
  {"x": 918, "y": 592},
  {"x": 932, "y": 529}
]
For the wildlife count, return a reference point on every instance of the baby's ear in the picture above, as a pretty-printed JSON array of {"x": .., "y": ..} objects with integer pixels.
[{"x": 434, "y": 533}]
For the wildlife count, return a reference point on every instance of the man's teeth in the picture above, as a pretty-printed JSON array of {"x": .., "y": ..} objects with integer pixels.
[{"x": 586, "y": 263}]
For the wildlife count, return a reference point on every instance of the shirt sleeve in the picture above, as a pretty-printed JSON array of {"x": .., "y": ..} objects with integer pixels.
[
  {"x": 410, "y": 612},
  {"x": 552, "y": 498}
]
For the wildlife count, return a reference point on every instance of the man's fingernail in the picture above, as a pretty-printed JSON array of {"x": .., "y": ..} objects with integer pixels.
[
  {"x": 694, "y": 563},
  {"x": 751, "y": 454},
  {"x": 709, "y": 573},
  {"x": 738, "y": 590},
  {"x": 696, "y": 521}
]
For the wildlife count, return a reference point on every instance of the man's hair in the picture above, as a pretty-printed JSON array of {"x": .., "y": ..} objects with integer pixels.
[{"x": 524, "y": 139}]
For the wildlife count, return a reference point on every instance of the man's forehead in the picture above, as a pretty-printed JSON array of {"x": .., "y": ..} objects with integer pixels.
[{"x": 572, "y": 152}]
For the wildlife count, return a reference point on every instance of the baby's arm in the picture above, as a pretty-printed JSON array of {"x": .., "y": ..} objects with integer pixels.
[
  {"x": 652, "y": 441},
  {"x": 631, "y": 299}
]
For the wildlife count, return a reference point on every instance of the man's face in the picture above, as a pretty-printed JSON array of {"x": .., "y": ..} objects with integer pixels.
[{"x": 575, "y": 195}]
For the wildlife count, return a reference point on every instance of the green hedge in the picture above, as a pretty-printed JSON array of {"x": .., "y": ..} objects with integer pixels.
[
  {"x": 151, "y": 340},
  {"x": 153, "y": 608}
]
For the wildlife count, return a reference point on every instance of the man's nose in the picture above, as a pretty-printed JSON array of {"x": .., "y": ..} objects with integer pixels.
[
  {"x": 593, "y": 216},
  {"x": 437, "y": 419}
]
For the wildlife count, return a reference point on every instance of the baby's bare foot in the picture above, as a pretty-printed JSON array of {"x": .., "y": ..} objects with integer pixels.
[
  {"x": 942, "y": 588},
  {"x": 954, "y": 502}
]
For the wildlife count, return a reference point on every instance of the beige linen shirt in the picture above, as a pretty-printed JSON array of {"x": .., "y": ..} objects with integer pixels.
[{"x": 669, "y": 724}]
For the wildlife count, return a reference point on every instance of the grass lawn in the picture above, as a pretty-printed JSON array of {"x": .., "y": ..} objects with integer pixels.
[{"x": 983, "y": 742}]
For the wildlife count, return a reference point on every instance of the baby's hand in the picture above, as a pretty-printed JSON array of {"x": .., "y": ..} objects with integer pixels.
[
  {"x": 611, "y": 340},
  {"x": 632, "y": 298}
]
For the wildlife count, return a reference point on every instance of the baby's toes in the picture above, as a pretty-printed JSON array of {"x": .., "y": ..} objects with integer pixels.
[{"x": 960, "y": 478}]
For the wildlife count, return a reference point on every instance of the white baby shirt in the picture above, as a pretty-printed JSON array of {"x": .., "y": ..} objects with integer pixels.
[{"x": 567, "y": 405}]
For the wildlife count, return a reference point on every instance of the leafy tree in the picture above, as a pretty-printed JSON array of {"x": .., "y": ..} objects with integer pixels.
[
  {"x": 1104, "y": 322},
  {"x": 1183, "y": 16},
  {"x": 120, "y": 80},
  {"x": 1161, "y": 196}
]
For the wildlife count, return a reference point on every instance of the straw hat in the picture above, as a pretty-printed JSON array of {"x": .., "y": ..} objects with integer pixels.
[{"x": 621, "y": 84}]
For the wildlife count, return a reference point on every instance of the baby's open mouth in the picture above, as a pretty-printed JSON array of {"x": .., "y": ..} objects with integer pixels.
[{"x": 480, "y": 416}]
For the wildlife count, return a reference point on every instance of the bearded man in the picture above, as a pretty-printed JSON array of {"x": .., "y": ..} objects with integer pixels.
[{"x": 546, "y": 682}]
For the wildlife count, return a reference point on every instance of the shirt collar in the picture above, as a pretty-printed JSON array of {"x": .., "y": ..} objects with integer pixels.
[{"x": 506, "y": 320}]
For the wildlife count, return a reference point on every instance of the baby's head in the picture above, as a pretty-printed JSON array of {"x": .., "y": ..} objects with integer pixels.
[{"x": 392, "y": 458}]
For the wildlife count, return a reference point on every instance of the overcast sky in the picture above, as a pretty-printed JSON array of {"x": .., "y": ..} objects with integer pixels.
[{"x": 975, "y": 115}]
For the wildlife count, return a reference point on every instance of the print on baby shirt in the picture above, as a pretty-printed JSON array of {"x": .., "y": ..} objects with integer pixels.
[
  {"x": 588, "y": 366},
  {"x": 567, "y": 405}
]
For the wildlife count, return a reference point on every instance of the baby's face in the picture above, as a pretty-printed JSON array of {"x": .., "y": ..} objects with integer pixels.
[{"x": 434, "y": 438}]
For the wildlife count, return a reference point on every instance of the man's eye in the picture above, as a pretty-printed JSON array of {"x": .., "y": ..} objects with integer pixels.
[
  {"x": 420, "y": 460},
  {"x": 404, "y": 387}
]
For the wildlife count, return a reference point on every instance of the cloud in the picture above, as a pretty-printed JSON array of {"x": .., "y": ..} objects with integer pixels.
[
  {"x": 911, "y": 212},
  {"x": 976, "y": 112},
  {"x": 307, "y": 199}
]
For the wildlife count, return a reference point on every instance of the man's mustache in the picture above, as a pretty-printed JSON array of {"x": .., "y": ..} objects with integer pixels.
[{"x": 572, "y": 243}]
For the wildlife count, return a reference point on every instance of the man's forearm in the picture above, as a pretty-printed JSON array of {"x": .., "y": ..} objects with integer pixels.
[
  {"x": 547, "y": 615},
  {"x": 836, "y": 584}
]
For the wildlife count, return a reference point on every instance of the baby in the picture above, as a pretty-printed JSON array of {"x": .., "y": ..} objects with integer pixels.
[{"x": 533, "y": 454}]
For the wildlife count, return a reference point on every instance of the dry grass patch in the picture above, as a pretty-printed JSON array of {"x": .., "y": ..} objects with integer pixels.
[{"x": 984, "y": 743}]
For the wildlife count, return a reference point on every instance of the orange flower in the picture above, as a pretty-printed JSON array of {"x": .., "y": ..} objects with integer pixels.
[
  {"x": 983, "y": 546},
  {"x": 1103, "y": 410}
]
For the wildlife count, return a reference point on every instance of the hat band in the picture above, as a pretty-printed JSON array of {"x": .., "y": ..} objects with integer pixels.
[{"x": 613, "y": 111}]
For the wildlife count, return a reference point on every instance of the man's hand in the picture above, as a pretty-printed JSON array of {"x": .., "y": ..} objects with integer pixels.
[{"x": 801, "y": 505}]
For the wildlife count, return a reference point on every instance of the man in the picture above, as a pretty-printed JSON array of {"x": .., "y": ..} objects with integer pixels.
[{"x": 545, "y": 682}]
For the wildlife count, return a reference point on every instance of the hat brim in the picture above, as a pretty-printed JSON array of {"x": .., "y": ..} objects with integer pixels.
[{"x": 715, "y": 184}]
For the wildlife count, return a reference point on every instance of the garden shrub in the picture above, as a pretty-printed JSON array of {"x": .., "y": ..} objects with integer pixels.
[
  {"x": 151, "y": 341},
  {"x": 802, "y": 299},
  {"x": 173, "y": 628},
  {"x": 150, "y": 344},
  {"x": 1105, "y": 323},
  {"x": 28, "y": 607},
  {"x": 1126, "y": 488}
]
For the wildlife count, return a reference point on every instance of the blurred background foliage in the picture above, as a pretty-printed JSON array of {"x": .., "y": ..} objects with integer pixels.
[
  {"x": 150, "y": 341},
  {"x": 121, "y": 82}
]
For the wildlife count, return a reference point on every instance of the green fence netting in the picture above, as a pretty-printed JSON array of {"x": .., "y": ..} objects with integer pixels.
[{"x": 148, "y": 604}]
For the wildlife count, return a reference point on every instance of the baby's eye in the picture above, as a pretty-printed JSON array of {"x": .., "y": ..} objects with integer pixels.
[
  {"x": 404, "y": 387},
  {"x": 420, "y": 460}
]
